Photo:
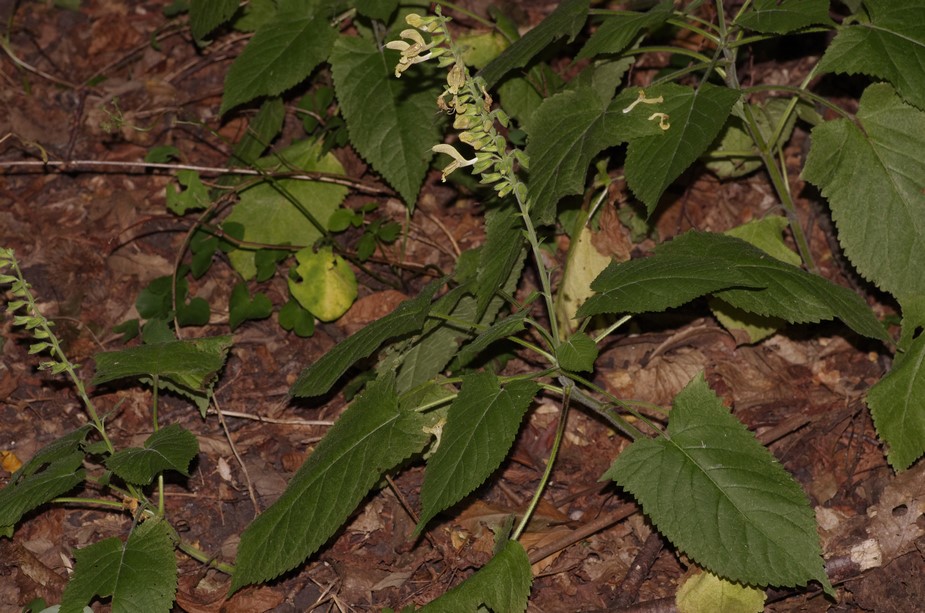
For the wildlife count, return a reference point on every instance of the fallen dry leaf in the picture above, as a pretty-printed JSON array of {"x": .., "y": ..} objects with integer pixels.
[{"x": 9, "y": 462}]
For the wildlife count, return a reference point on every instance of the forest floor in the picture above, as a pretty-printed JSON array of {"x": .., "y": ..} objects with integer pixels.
[{"x": 90, "y": 238}]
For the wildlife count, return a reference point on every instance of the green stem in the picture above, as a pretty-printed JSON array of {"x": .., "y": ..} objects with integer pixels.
[
  {"x": 95, "y": 502},
  {"x": 667, "y": 49},
  {"x": 184, "y": 546},
  {"x": 534, "y": 348},
  {"x": 686, "y": 25},
  {"x": 201, "y": 556},
  {"x": 611, "y": 328},
  {"x": 782, "y": 187},
  {"x": 544, "y": 480},
  {"x": 765, "y": 151},
  {"x": 160, "y": 477},
  {"x": 677, "y": 74},
  {"x": 473, "y": 16},
  {"x": 605, "y": 409},
  {"x": 540, "y": 267}
]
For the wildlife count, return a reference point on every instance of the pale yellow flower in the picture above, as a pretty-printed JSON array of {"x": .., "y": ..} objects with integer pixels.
[
  {"x": 458, "y": 160},
  {"x": 662, "y": 120},
  {"x": 641, "y": 99},
  {"x": 410, "y": 52}
]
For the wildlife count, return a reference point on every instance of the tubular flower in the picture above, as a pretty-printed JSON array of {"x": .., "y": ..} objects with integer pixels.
[
  {"x": 643, "y": 100},
  {"x": 458, "y": 160},
  {"x": 662, "y": 120},
  {"x": 425, "y": 24},
  {"x": 411, "y": 52}
]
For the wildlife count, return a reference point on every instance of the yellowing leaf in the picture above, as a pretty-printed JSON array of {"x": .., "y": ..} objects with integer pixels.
[
  {"x": 270, "y": 218},
  {"x": 707, "y": 593},
  {"x": 326, "y": 286},
  {"x": 480, "y": 49},
  {"x": 585, "y": 263}
]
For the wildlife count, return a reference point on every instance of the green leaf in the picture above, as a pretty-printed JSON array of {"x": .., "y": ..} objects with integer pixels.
[
  {"x": 897, "y": 404},
  {"x": 604, "y": 76},
  {"x": 52, "y": 471},
  {"x": 255, "y": 14},
  {"x": 377, "y": 9},
  {"x": 696, "y": 116},
  {"x": 154, "y": 301},
  {"x": 619, "y": 30},
  {"x": 440, "y": 338},
  {"x": 520, "y": 99},
  {"x": 294, "y": 318},
  {"x": 323, "y": 283},
  {"x": 481, "y": 426},
  {"x": 58, "y": 449},
  {"x": 242, "y": 307},
  {"x": 577, "y": 353},
  {"x": 499, "y": 330},
  {"x": 190, "y": 363},
  {"x": 765, "y": 234},
  {"x": 700, "y": 263},
  {"x": 193, "y": 197},
  {"x": 567, "y": 20},
  {"x": 206, "y": 15},
  {"x": 372, "y": 436},
  {"x": 203, "y": 245},
  {"x": 283, "y": 52},
  {"x": 499, "y": 255},
  {"x": 186, "y": 367},
  {"x": 342, "y": 219},
  {"x": 129, "y": 329},
  {"x": 427, "y": 355},
  {"x": 140, "y": 575},
  {"x": 567, "y": 132},
  {"x": 735, "y": 139},
  {"x": 874, "y": 176},
  {"x": 891, "y": 46},
  {"x": 266, "y": 260},
  {"x": 270, "y": 218},
  {"x": 719, "y": 496},
  {"x": 162, "y": 154},
  {"x": 502, "y": 585},
  {"x": 261, "y": 130},
  {"x": 157, "y": 331},
  {"x": 193, "y": 313},
  {"x": 783, "y": 16},
  {"x": 389, "y": 120},
  {"x": 170, "y": 448},
  {"x": 407, "y": 318}
]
